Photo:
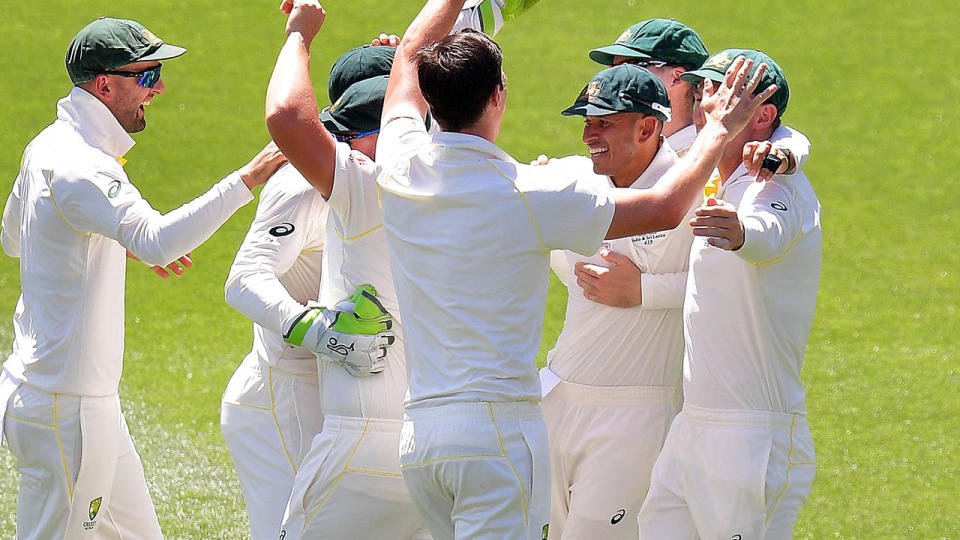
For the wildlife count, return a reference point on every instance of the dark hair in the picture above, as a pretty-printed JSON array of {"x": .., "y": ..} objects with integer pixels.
[{"x": 457, "y": 76}]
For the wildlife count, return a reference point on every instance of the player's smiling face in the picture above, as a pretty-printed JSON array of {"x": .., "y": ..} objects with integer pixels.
[
  {"x": 611, "y": 140},
  {"x": 131, "y": 99}
]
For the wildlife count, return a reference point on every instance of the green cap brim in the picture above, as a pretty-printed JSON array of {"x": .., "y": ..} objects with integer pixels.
[
  {"x": 331, "y": 123},
  {"x": 586, "y": 109},
  {"x": 604, "y": 55},
  {"x": 694, "y": 77},
  {"x": 165, "y": 52}
]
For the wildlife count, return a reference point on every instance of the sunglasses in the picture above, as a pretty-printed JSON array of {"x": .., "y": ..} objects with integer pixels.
[
  {"x": 147, "y": 78},
  {"x": 344, "y": 137},
  {"x": 650, "y": 63}
]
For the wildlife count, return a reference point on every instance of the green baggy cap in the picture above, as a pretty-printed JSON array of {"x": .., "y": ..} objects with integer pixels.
[
  {"x": 716, "y": 67},
  {"x": 106, "y": 44},
  {"x": 623, "y": 88},
  {"x": 666, "y": 40},
  {"x": 356, "y": 65},
  {"x": 358, "y": 109}
]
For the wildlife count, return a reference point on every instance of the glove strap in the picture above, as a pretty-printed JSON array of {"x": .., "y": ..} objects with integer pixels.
[{"x": 300, "y": 326}]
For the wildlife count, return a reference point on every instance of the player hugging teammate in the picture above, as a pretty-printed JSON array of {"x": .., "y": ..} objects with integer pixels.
[{"x": 391, "y": 391}]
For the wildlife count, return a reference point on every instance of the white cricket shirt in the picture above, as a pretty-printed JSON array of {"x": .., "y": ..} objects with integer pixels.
[
  {"x": 748, "y": 313},
  {"x": 682, "y": 139},
  {"x": 278, "y": 266},
  {"x": 470, "y": 231},
  {"x": 70, "y": 217},
  {"x": 356, "y": 254},
  {"x": 638, "y": 346}
]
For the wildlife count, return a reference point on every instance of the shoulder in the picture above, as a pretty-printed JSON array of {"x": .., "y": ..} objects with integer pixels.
[{"x": 285, "y": 185}]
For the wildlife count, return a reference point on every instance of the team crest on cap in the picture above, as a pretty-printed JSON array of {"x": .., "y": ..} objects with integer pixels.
[
  {"x": 592, "y": 90},
  {"x": 624, "y": 36},
  {"x": 148, "y": 35},
  {"x": 721, "y": 62}
]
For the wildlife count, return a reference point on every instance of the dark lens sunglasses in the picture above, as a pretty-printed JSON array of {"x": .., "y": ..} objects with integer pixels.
[
  {"x": 147, "y": 78},
  {"x": 344, "y": 137}
]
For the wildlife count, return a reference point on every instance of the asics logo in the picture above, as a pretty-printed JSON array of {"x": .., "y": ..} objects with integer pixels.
[
  {"x": 338, "y": 347},
  {"x": 618, "y": 516}
]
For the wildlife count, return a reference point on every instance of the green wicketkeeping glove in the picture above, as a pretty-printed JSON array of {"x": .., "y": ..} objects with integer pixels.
[{"x": 355, "y": 333}]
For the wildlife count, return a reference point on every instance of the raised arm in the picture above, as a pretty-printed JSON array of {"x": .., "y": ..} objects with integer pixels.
[
  {"x": 291, "y": 109},
  {"x": 728, "y": 107},
  {"x": 433, "y": 22}
]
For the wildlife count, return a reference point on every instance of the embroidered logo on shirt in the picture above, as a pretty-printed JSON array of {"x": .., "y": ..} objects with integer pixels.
[
  {"x": 94, "y": 510},
  {"x": 113, "y": 192},
  {"x": 282, "y": 229},
  {"x": 618, "y": 516},
  {"x": 777, "y": 205}
]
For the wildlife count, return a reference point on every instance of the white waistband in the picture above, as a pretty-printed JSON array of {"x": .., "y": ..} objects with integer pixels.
[
  {"x": 357, "y": 423},
  {"x": 611, "y": 394},
  {"x": 474, "y": 409},
  {"x": 742, "y": 417}
]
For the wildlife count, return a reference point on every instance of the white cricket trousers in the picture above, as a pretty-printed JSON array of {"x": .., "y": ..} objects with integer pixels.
[
  {"x": 604, "y": 441},
  {"x": 268, "y": 417},
  {"x": 478, "y": 470},
  {"x": 730, "y": 474},
  {"x": 81, "y": 476},
  {"x": 350, "y": 486}
]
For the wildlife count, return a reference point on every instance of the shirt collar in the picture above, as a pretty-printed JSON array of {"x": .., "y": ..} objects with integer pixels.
[
  {"x": 682, "y": 139},
  {"x": 94, "y": 122},
  {"x": 464, "y": 141}
]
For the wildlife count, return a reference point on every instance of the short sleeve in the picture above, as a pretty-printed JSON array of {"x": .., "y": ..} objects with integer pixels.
[
  {"x": 354, "y": 191},
  {"x": 572, "y": 211}
]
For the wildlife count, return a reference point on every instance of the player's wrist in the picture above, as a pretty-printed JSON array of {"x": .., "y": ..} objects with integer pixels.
[{"x": 301, "y": 326}]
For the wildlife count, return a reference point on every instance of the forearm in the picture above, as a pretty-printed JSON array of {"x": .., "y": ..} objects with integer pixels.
[
  {"x": 432, "y": 24},
  {"x": 160, "y": 239},
  {"x": 796, "y": 143},
  {"x": 292, "y": 116},
  {"x": 258, "y": 294},
  {"x": 665, "y": 205},
  {"x": 10, "y": 229}
]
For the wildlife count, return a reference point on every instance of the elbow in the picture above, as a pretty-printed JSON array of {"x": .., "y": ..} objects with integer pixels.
[
  {"x": 281, "y": 119},
  {"x": 232, "y": 291}
]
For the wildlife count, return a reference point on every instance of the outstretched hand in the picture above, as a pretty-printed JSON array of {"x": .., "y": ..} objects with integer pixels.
[
  {"x": 305, "y": 17},
  {"x": 732, "y": 102},
  {"x": 390, "y": 40},
  {"x": 177, "y": 267},
  {"x": 262, "y": 166}
]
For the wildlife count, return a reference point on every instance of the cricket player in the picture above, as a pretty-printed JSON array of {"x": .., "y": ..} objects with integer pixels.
[
  {"x": 738, "y": 461},
  {"x": 669, "y": 48},
  {"x": 469, "y": 231},
  {"x": 271, "y": 408},
  {"x": 71, "y": 218},
  {"x": 349, "y": 484},
  {"x": 612, "y": 382}
]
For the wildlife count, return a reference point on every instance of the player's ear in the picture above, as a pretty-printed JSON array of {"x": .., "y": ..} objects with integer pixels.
[
  {"x": 766, "y": 115},
  {"x": 677, "y": 71},
  {"x": 647, "y": 127},
  {"x": 101, "y": 87}
]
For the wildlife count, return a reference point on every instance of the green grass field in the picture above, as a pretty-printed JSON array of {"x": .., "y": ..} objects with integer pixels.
[{"x": 873, "y": 84}]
